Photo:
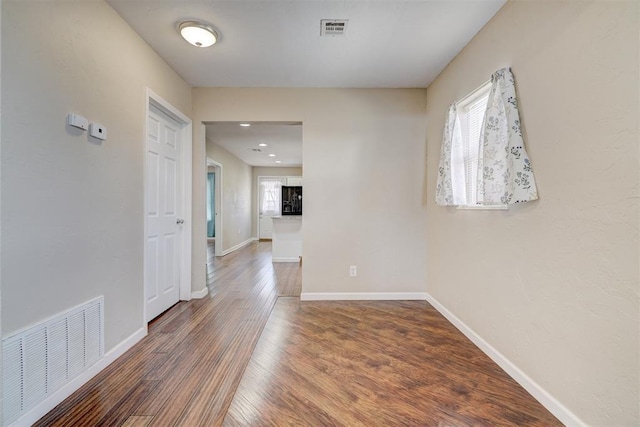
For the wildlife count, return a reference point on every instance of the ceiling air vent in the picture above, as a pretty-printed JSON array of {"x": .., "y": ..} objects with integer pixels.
[
  {"x": 257, "y": 150},
  {"x": 333, "y": 27}
]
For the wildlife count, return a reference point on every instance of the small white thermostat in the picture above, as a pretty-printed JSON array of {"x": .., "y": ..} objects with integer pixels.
[
  {"x": 77, "y": 121},
  {"x": 98, "y": 131}
]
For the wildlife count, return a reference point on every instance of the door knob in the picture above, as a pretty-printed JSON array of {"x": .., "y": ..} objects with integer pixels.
[{"x": 179, "y": 221}]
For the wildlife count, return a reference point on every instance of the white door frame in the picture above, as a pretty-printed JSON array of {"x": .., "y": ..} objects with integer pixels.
[
  {"x": 184, "y": 210},
  {"x": 218, "y": 203}
]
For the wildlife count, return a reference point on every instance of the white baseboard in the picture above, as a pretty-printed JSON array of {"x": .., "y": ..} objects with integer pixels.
[
  {"x": 239, "y": 245},
  {"x": 200, "y": 294},
  {"x": 561, "y": 412},
  {"x": 67, "y": 390},
  {"x": 362, "y": 296},
  {"x": 285, "y": 259}
]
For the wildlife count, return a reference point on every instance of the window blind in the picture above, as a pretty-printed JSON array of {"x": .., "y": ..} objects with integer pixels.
[{"x": 473, "y": 116}]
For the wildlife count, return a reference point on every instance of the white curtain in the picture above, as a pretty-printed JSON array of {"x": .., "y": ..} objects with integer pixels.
[
  {"x": 451, "y": 187},
  {"x": 270, "y": 195},
  {"x": 504, "y": 169},
  {"x": 504, "y": 165}
]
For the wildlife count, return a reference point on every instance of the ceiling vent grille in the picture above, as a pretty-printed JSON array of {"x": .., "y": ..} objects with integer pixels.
[{"x": 333, "y": 27}]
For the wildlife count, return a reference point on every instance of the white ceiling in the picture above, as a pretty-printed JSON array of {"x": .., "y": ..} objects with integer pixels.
[
  {"x": 277, "y": 43},
  {"x": 282, "y": 139}
]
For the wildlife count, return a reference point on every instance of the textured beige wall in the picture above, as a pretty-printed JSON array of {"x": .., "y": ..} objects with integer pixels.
[
  {"x": 236, "y": 196},
  {"x": 553, "y": 285},
  {"x": 265, "y": 171},
  {"x": 354, "y": 213},
  {"x": 72, "y": 210}
]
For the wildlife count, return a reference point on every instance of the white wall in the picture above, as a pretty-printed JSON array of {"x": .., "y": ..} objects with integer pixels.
[
  {"x": 363, "y": 176},
  {"x": 236, "y": 196},
  {"x": 553, "y": 285},
  {"x": 72, "y": 209},
  {"x": 258, "y": 171}
]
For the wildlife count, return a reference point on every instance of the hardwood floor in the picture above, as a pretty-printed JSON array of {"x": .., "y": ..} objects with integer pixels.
[
  {"x": 315, "y": 363},
  {"x": 384, "y": 363},
  {"x": 186, "y": 370}
]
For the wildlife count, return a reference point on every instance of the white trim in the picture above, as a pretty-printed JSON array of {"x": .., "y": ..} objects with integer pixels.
[
  {"x": 362, "y": 296},
  {"x": 239, "y": 245},
  {"x": 483, "y": 207},
  {"x": 286, "y": 259},
  {"x": 219, "y": 231},
  {"x": 186, "y": 147},
  {"x": 200, "y": 294},
  {"x": 67, "y": 390},
  {"x": 474, "y": 94},
  {"x": 540, "y": 394}
]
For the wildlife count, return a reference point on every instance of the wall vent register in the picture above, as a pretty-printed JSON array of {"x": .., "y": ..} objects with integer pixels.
[
  {"x": 333, "y": 27},
  {"x": 39, "y": 360}
]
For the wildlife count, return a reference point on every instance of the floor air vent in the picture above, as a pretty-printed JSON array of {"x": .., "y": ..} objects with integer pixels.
[{"x": 41, "y": 359}]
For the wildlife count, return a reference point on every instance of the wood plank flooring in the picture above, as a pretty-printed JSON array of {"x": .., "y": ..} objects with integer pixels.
[
  {"x": 186, "y": 370},
  {"x": 315, "y": 363},
  {"x": 382, "y": 363}
]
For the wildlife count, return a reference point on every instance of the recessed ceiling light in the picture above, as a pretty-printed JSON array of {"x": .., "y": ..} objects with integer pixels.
[
  {"x": 278, "y": 161},
  {"x": 262, "y": 145},
  {"x": 245, "y": 125},
  {"x": 198, "y": 34},
  {"x": 272, "y": 155}
]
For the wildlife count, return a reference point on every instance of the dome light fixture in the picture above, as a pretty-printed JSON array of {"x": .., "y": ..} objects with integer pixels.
[{"x": 198, "y": 34}]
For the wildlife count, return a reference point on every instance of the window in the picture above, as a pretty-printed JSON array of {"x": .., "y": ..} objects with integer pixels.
[
  {"x": 485, "y": 165},
  {"x": 270, "y": 195},
  {"x": 465, "y": 153}
]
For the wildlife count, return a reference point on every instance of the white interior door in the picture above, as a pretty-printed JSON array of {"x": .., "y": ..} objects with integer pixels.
[
  {"x": 269, "y": 204},
  {"x": 162, "y": 252}
]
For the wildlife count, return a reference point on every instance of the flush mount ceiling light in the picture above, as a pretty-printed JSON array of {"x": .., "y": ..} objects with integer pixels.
[
  {"x": 198, "y": 34},
  {"x": 262, "y": 144},
  {"x": 245, "y": 125},
  {"x": 272, "y": 155}
]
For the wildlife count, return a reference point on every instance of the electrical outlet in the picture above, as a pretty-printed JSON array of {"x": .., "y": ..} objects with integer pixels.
[{"x": 353, "y": 271}]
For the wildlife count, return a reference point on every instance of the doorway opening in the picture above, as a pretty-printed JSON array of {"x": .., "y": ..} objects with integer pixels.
[
  {"x": 269, "y": 204},
  {"x": 215, "y": 231},
  {"x": 258, "y": 160},
  {"x": 211, "y": 203}
]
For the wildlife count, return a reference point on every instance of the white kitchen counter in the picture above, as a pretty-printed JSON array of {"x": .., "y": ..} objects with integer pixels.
[{"x": 287, "y": 238}]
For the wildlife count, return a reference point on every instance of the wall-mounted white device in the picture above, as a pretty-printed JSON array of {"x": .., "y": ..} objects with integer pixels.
[
  {"x": 98, "y": 131},
  {"x": 77, "y": 121}
]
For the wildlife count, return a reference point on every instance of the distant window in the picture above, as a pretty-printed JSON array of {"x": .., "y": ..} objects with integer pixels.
[{"x": 270, "y": 196}]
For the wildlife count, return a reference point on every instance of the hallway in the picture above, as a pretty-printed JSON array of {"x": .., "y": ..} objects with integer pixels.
[{"x": 186, "y": 370}]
